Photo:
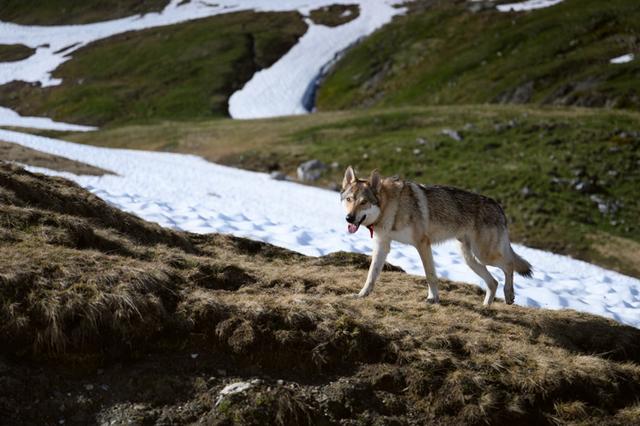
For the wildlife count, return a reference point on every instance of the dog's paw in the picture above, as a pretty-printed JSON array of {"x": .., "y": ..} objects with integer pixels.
[
  {"x": 362, "y": 294},
  {"x": 509, "y": 296},
  {"x": 433, "y": 301}
]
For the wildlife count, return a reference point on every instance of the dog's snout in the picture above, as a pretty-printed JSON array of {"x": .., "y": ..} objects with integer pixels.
[{"x": 351, "y": 218}]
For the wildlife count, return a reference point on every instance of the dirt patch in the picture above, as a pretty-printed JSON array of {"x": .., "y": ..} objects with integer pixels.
[
  {"x": 106, "y": 318},
  {"x": 20, "y": 154},
  {"x": 353, "y": 260}
]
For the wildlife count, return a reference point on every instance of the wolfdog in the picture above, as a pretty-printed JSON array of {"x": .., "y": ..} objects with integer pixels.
[{"x": 421, "y": 215}]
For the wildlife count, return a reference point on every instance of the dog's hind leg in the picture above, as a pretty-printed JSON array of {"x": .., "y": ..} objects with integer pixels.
[
  {"x": 481, "y": 270},
  {"x": 507, "y": 264},
  {"x": 509, "y": 293},
  {"x": 424, "y": 249}
]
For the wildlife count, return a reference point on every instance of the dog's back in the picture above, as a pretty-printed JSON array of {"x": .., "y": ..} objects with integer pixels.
[{"x": 454, "y": 212}]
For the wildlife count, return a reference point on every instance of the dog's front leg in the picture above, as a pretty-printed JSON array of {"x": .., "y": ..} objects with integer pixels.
[
  {"x": 424, "y": 249},
  {"x": 380, "y": 252}
]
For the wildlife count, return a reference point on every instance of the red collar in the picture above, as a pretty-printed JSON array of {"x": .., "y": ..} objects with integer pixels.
[{"x": 370, "y": 228}]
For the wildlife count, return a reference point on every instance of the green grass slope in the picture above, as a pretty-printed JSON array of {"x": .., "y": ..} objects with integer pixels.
[
  {"x": 107, "y": 319},
  {"x": 441, "y": 53},
  {"x": 568, "y": 178},
  {"x": 14, "y": 52},
  {"x": 65, "y": 12},
  {"x": 187, "y": 70}
]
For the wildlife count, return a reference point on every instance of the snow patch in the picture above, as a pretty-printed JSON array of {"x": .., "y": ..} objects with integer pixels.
[
  {"x": 188, "y": 193},
  {"x": 280, "y": 90},
  {"x": 527, "y": 5},
  {"x": 623, "y": 59},
  {"x": 9, "y": 117}
]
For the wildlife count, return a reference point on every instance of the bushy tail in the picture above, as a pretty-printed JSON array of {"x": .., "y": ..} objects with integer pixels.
[{"x": 521, "y": 266}]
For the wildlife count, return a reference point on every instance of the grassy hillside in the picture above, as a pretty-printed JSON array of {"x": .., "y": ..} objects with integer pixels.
[
  {"x": 14, "y": 52},
  {"x": 187, "y": 70},
  {"x": 105, "y": 318},
  {"x": 440, "y": 53},
  {"x": 64, "y": 12},
  {"x": 566, "y": 177}
]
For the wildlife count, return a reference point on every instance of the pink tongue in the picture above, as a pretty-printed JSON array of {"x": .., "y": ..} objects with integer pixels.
[{"x": 352, "y": 228}]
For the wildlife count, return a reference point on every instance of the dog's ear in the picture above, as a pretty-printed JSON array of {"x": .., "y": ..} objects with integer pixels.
[
  {"x": 374, "y": 181},
  {"x": 349, "y": 177}
]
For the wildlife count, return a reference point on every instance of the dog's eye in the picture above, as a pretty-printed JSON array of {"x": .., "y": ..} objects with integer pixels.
[{"x": 349, "y": 199}]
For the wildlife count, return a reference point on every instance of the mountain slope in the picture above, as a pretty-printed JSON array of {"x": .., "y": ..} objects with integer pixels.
[
  {"x": 136, "y": 322},
  {"x": 185, "y": 70},
  {"x": 65, "y": 12},
  {"x": 441, "y": 53}
]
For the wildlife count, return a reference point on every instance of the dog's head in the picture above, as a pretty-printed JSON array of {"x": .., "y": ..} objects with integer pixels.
[{"x": 360, "y": 199}]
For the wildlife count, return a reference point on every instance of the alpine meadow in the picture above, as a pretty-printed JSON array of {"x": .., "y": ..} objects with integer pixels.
[{"x": 198, "y": 197}]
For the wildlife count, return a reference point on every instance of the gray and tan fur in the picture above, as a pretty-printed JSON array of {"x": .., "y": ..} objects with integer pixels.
[{"x": 422, "y": 215}]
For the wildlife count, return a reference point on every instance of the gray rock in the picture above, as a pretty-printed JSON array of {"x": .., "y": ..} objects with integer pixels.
[
  {"x": 501, "y": 127},
  {"x": 479, "y": 6},
  {"x": 519, "y": 95},
  {"x": 559, "y": 181},
  {"x": 311, "y": 170},
  {"x": 232, "y": 389},
  {"x": 276, "y": 175},
  {"x": 421, "y": 141},
  {"x": 527, "y": 192},
  {"x": 603, "y": 207},
  {"x": 586, "y": 187},
  {"x": 579, "y": 172},
  {"x": 452, "y": 134}
]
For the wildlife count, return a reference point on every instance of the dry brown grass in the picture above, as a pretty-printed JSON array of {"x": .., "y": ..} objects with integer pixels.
[
  {"x": 212, "y": 139},
  {"x": 83, "y": 283},
  {"x": 619, "y": 250},
  {"x": 11, "y": 152}
]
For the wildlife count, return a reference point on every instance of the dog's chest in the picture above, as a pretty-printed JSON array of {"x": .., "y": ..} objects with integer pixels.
[{"x": 404, "y": 235}]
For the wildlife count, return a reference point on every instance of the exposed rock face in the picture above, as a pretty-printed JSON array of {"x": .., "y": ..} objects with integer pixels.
[
  {"x": 518, "y": 95},
  {"x": 311, "y": 170}
]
